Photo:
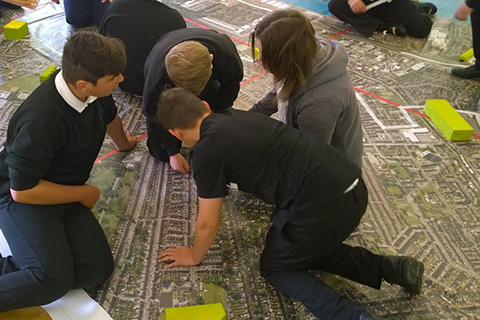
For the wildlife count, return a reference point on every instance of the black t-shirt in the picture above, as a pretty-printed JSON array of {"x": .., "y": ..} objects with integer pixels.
[
  {"x": 227, "y": 70},
  {"x": 268, "y": 159},
  {"x": 48, "y": 139},
  {"x": 139, "y": 24}
]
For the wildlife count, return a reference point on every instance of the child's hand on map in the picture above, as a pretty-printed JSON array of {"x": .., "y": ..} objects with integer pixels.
[
  {"x": 181, "y": 256},
  {"x": 357, "y": 6}
]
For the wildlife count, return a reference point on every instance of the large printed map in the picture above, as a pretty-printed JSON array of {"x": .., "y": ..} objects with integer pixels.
[{"x": 424, "y": 190}]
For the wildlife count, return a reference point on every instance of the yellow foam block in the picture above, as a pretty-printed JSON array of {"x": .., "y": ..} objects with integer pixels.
[
  {"x": 212, "y": 311},
  {"x": 33, "y": 313},
  {"x": 15, "y": 30},
  {"x": 47, "y": 72},
  {"x": 467, "y": 55},
  {"x": 447, "y": 119}
]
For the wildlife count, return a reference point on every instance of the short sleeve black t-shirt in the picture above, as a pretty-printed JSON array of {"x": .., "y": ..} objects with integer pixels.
[
  {"x": 48, "y": 139},
  {"x": 268, "y": 159}
]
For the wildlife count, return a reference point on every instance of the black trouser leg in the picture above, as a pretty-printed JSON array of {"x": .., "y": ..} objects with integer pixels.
[
  {"x": 82, "y": 13},
  {"x": 475, "y": 21},
  {"x": 292, "y": 248},
  {"x": 365, "y": 23},
  {"x": 153, "y": 142},
  {"x": 417, "y": 23},
  {"x": 55, "y": 248},
  {"x": 320, "y": 299}
]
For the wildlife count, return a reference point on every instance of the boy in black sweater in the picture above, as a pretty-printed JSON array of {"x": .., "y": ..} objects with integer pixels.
[
  {"x": 52, "y": 142},
  {"x": 202, "y": 61},
  {"x": 139, "y": 24},
  {"x": 319, "y": 196}
]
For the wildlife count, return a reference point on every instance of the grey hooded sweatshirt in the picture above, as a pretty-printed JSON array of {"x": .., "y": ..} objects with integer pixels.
[{"x": 326, "y": 107}]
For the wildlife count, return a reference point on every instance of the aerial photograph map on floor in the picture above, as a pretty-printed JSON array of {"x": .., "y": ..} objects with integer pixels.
[{"x": 424, "y": 198}]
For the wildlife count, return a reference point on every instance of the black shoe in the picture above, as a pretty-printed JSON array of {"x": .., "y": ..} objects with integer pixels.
[
  {"x": 398, "y": 30},
  {"x": 393, "y": 27},
  {"x": 407, "y": 272},
  {"x": 426, "y": 7},
  {"x": 362, "y": 314},
  {"x": 466, "y": 73}
]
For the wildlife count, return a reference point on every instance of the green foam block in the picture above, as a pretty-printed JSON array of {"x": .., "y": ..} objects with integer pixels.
[
  {"x": 47, "y": 72},
  {"x": 447, "y": 119},
  {"x": 212, "y": 311}
]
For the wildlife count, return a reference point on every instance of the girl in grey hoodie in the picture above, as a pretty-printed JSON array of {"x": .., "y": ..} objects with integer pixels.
[{"x": 313, "y": 91}]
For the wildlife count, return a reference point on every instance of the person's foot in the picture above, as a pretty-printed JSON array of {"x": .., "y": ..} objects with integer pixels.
[
  {"x": 392, "y": 27},
  {"x": 407, "y": 272},
  {"x": 398, "y": 30},
  {"x": 427, "y": 7},
  {"x": 466, "y": 73}
]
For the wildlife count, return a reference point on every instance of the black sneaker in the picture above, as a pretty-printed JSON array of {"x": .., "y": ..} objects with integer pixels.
[
  {"x": 407, "y": 272},
  {"x": 466, "y": 73},
  {"x": 393, "y": 27},
  {"x": 426, "y": 7}
]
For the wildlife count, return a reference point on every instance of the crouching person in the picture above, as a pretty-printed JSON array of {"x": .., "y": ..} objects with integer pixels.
[
  {"x": 52, "y": 142},
  {"x": 319, "y": 195}
]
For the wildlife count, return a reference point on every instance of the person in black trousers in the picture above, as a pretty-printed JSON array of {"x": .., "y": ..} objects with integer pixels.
[
  {"x": 52, "y": 142},
  {"x": 319, "y": 199},
  {"x": 202, "y": 61},
  {"x": 139, "y": 24},
  {"x": 472, "y": 8},
  {"x": 399, "y": 17},
  {"x": 83, "y": 13}
]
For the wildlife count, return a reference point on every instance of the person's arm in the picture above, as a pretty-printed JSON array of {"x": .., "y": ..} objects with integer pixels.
[
  {"x": 463, "y": 11},
  {"x": 229, "y": 82},
  {"x": 179, "y": 163},
  {"x": 206, "y": 228},
  {"x": 268, "y": 105},
  {"x": 123, "y": 141},
  {"x": 318, "y": 117},
  {"x": 49, "y": 193},
  {"x": 357, "y": 6}
]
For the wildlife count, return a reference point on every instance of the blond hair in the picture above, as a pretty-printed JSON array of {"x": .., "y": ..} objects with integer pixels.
[{"x": 189, "y": 66}]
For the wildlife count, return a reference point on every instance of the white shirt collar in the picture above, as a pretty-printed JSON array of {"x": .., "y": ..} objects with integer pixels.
[{"x": 68, "y": 96}]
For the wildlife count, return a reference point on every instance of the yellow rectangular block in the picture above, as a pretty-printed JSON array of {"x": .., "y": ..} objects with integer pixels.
[
  {"x": 47, "y": 72},
  {"x": 467, "y": 55},
  {"x": 15, "y": 30},
  {"x": 212, "y": 311},
  {"x": 447, "y": 119}
]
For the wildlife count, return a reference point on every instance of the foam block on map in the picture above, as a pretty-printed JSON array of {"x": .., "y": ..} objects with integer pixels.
[
  {"x": 212, "y": 311},
  {"x": 257, "y": 53},
  {"x": 47, "y": 72},
  {"x": 467, "y": 55},
  {"x": 447, "y": 119},
  {"x": 15, "y": 30}
]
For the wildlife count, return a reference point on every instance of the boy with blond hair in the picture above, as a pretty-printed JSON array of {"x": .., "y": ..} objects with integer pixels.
[
  {"x": 52, "y": 142},
  {"x": 201, "y": 61}
]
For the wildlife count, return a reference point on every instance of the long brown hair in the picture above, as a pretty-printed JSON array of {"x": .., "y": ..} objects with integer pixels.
[{"x": 288, "y": 48}]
